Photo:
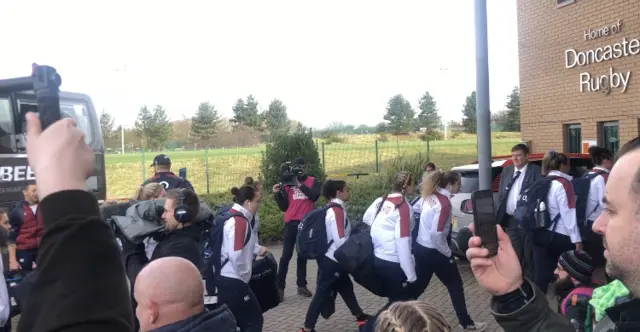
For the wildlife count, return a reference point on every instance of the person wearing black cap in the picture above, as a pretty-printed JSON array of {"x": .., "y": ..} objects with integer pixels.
[
  {"x": 574, "y": 286},
  {"x": 295, "y": 202},
  {"x": 164, "y": 176}
]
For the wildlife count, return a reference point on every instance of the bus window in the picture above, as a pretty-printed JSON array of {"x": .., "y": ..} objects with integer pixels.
[
  {"x": 69, "y": 109},
  {"x": 6, "y": 126}
]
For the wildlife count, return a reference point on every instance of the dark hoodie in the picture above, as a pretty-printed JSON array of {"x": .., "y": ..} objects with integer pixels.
[{"x": 218, "y": 320}]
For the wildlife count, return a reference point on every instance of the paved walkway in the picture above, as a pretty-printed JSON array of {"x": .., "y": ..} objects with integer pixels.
[{"x": 289, "y": 315}]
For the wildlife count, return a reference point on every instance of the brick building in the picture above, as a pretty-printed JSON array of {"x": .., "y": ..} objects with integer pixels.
[{"x": 579, "y": 73}]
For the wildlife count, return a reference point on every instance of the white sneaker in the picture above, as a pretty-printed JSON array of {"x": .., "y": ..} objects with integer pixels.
[{"x": 477, "y": 326}]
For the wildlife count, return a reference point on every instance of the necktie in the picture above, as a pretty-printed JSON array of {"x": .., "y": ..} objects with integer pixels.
[{"x": 513, "y": 181}]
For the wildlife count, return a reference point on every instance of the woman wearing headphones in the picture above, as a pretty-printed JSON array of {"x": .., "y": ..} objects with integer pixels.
[
  {"x": 233, "y": 282},
  {"x": 390, "y": 220}
]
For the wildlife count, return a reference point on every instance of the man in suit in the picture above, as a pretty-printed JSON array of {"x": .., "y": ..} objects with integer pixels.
[{"x": 514, "y": 180}]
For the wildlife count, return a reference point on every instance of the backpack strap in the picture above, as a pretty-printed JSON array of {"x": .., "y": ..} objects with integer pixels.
[
  {"x": 332, "y": 205},
  {"x": 247, "y": 237}
]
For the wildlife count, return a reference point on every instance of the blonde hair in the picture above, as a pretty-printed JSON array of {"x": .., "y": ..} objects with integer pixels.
[
  {"x": 149, "y": 191},
  {"x": 412, "y": 316},
  {"x": 401, "y": 181},
  {"x": 431, "y": 181},
  {"x": 552, "y": 161}
]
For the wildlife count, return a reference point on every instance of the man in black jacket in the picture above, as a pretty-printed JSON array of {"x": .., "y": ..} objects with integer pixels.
[
  {"x": 81, "y": 284},
  {"x": 163, "y": 175},
  {"x": 170, "y": 298},
  {"x": 180, "y": 238}
]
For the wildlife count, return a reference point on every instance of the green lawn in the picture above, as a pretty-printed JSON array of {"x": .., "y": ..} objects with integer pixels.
[{"x": 224, "y": 168}]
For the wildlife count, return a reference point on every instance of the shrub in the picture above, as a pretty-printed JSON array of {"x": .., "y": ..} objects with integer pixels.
[
  {"x": 334, "y": 139},
  {"x": 432, "y": 135},
  {"x": 363, "y": 192},
  {"x": 287, "y": 148}
]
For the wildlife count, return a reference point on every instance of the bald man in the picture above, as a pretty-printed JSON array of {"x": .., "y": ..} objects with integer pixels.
[{"x": 170, "y": 297}]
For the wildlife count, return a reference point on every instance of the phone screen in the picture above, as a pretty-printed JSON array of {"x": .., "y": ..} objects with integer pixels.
[{"x": 485, "y": 220}]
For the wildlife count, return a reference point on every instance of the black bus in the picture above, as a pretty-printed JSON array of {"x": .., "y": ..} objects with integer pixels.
[{"x": 15, "y": 172}]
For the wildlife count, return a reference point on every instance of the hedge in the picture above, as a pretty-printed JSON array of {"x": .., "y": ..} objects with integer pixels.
[{"x": 363, "y": 192}]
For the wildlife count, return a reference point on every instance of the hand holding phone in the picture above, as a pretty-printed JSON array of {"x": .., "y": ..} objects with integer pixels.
[{"x": 484, "y": 220}]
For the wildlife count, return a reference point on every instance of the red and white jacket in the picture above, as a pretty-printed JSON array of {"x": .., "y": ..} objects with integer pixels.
[{"x": 435, "y": 222}]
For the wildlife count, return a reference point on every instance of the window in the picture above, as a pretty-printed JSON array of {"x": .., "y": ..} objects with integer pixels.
[
  {"x": 70, "y": 109},
  {"x": 562, "y": 3},
  {"x": 608, "y": 135},
  {"x": 6, "y": 126},
  {"x": 573, "y": 138}
]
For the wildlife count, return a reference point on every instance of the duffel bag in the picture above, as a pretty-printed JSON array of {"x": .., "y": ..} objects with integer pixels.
[
  {"x": 355, "y": 255},
  {"x": 263, "y": 282}
]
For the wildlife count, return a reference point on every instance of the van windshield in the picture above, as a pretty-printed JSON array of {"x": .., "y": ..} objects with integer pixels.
[{"x": 12, "y": 143}]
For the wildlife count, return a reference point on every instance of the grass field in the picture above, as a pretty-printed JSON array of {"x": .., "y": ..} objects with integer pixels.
[{"x": 224, "y": 168}]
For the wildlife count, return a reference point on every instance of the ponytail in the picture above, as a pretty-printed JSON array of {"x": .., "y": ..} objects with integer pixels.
[
  {"x": 430, "y": 182},
  {"x": 552, "y": 161}
]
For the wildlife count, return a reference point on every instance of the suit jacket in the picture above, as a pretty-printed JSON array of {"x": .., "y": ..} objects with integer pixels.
[{"x": 533, "y": 174}]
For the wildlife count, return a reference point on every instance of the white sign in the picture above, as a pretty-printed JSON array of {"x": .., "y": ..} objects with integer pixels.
[{"x": 612, "y": 79}]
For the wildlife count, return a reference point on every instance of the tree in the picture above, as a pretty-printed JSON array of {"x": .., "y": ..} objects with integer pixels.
[
  {"x": 276, "y": 119},
  {"x": 206, "y": 123},
  {"x": 428, "y": 117},
  {"x": 285, "y": 148},
  {"x": 246, "y": 113},
  {"x": 469, "y": 114},
  {"x": 144, "y": 124},
  {"x": 153, "y": 127},
  {"x": 512, "y": 121},
  {"x": 107, "y": 124},
  {"x": 399, "y": 114},
  {"x": 162, "y": 128}
]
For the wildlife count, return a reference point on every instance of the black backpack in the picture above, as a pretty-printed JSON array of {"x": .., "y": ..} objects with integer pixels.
[
  {"x": 532, "y": 209},
  {"x": 212, "y": 249},
  {"x": 312, "y": 241},
  {"x": 581, "y": 188},
  {"x": 356, "y": 256}
]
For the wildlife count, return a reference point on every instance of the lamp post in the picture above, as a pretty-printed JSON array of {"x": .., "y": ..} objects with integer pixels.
[{"x": 483, "y": 121}]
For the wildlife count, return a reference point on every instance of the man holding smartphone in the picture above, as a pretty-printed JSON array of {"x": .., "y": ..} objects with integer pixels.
[{"x": 514, "y": 180}]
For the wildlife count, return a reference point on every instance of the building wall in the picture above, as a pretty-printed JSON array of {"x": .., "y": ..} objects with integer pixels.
[{"x": 550, "y": 96}]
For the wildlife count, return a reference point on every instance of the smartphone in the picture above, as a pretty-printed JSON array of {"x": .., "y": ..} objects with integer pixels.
[{"x": 484, "y": 219}]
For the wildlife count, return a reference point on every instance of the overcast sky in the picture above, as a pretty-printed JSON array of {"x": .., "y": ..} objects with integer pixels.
[{"x": 328, "y": 61}]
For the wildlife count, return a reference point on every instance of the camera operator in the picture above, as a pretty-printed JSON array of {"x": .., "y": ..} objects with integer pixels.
[
  {"x": 295, "y": 196},
  {"x": 179, "y": 239},
  {"x": 163, "y": 175}
]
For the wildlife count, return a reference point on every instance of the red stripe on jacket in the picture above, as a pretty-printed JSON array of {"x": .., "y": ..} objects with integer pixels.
[
  {"x": 568, "y": 189},
  {"x": 339, "y": 213},
  {"x": 240, "y": 231},
  {"x": 605, "y": 176},
  {"x": 445, "y": 211},
  {"x": 405, "y": 214}
]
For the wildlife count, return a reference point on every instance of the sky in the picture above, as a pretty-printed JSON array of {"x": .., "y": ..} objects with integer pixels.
[{"x": 328, "y": 61}]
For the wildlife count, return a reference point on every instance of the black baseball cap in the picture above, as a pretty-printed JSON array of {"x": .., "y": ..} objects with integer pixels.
[
  {"x": 161, "y": 160},
  {"x": 299, "y": 161}
]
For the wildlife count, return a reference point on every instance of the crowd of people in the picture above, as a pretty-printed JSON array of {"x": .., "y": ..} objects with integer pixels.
[{"x": 167, "y": 262}]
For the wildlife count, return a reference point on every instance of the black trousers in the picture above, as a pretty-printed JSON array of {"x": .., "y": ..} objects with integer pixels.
[
  {"x": 394, "y": 281},
  {"x": 430, "y": 261},
  {"x": 244, "y": 306},
  {"x": 288, "y": 247},
  {"x": 331, "y": 277},
  {"x": 592, "y": 243},
  {"x": 547, "y": 248},
  {"x": 26, "y": 258},
  {"x": 522, "y": 242}
]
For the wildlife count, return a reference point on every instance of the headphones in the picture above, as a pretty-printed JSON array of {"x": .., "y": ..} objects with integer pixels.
[{"x": 181, "y": 213}]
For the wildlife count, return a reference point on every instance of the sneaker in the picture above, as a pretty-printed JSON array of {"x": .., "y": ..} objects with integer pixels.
[
  {"x": 304, "y": 330},
  {"x": 304, "y": 291},
  {"x": 280, "y": 295},
  {"x": 477, "y": 326},
  {"x": 362, "y": 320}
]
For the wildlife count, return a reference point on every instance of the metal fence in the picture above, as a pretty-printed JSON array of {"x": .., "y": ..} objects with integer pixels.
[{"x": 217, "y": 170}]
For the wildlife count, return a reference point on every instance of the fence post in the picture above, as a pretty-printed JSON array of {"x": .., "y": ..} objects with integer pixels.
[
  {"x": 428, "y": 147},
  {"x": 206, "y": 167},
  {"x": 377, "y": 159},
  {"x": 144, "y": 169},
  {"x": 324, "y": 167}
]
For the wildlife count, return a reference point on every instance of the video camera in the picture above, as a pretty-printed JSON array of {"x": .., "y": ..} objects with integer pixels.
[{"x": 290, "y": 173}]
